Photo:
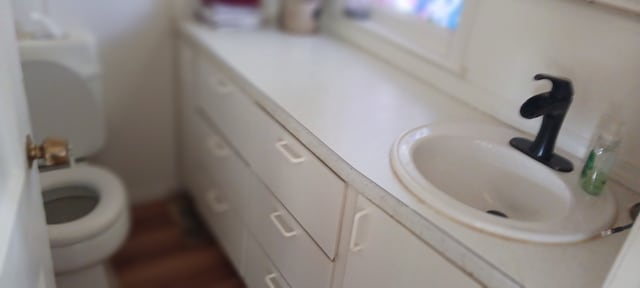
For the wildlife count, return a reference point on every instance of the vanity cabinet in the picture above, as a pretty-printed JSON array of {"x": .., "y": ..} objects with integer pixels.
[
  {"x": 278, "y": 210},
  {"x": 288, "y": 199},
  {"x": 273, "y": 206},
  {"x": 382, "y": 253}
]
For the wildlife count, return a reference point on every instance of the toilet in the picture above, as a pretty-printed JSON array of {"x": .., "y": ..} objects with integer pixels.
[{"x": 85, "y": 205}]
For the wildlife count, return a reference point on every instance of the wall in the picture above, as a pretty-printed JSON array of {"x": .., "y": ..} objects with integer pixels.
[
  {"x": 136, "y": 39},
  {"x": 511, "y": 41},
  {"x": 184, "y": 9}
]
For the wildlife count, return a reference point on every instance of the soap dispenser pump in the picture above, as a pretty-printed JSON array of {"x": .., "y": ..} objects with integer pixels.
[{"x": 553, "y": 106}]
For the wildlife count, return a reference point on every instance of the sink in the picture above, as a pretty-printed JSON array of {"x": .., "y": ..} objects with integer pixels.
[{"x": 470, "y": 173}]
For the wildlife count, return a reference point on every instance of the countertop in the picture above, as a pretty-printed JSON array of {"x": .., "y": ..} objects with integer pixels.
[{"x": 349, "y": 107}]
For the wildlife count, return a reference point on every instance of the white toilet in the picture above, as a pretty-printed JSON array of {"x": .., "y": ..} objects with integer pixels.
[{"x": 86, "y": 206}]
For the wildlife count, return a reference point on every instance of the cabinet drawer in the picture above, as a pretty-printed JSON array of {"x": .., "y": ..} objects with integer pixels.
[
  {"x": 222, "y": 188},
  {"x": 259, "y": 271},
  {"x": 309, "y": 190},
  {"x": 290, "y": 248},
  {"x": 224, "y": 223},
  {"x": 227, "y": 107},
  {"x": 226, "y": 168}
]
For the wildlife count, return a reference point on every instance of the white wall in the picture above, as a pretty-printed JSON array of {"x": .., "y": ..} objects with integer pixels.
[
  {"x": 136, "y": 47},
  {"x": 510, "y": 41}
]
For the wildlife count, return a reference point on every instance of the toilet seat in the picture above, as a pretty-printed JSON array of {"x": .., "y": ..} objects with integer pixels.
[{"x": 111, "y": 202}]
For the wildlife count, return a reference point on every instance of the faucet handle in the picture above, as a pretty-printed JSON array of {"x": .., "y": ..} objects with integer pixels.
[{"x": 562, "y": 88}]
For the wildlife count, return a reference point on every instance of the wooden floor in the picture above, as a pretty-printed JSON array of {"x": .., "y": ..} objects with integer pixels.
[{"x": 169, "y": 248}]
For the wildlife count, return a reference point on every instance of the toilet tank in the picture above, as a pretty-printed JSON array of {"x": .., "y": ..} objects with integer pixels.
[{"x": 62, "y": 80}]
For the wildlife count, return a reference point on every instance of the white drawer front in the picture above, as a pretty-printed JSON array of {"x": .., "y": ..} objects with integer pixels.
[
  {"x": 259, "y": 271},
  {"x": 292, "y": 250},
  {"x": 224, "y": 223},
  {"x": 227, "y": 107},
  {"x": 221, "y": 188},
  {"x": 310, "y": 191},
  {"x": 227, "y": 169}
]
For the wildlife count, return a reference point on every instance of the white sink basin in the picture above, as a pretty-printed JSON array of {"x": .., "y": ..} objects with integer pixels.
[{"x": 466, "y": 170}]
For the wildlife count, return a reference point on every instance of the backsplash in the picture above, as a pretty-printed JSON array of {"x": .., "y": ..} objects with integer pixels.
[{"x": 511, "y": 41}]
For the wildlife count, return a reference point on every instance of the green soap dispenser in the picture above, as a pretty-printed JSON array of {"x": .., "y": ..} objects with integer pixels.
[{"x": 602, "y": 155}]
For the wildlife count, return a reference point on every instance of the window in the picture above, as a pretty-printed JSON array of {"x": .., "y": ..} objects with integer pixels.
[
  {"x": 434, "y": 30},
  {"x": 443, "y": 13}
]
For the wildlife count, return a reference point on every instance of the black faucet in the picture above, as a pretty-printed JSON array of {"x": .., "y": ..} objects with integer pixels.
[{"x": 553, "y": 106}]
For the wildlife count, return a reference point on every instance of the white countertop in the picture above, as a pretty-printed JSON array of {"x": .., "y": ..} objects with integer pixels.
[{"x": 349, "y": 108}]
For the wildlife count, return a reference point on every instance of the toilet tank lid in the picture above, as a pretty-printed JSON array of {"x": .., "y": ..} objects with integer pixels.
[{"x": 77, "y": 50}]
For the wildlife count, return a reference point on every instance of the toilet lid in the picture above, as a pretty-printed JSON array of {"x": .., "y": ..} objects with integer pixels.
[{"x": 93, "y": 197}]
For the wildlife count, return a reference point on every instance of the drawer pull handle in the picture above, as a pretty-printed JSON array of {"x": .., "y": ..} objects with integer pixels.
[
  {"x": 353, "y": 243},
  {"x": 269, "y": 279},
  {"x": 216, "y": 203},
  {"x": 276, "y": 221},
  {"x": 288, "y": 153},
  {"x": 218, "y": 147}
]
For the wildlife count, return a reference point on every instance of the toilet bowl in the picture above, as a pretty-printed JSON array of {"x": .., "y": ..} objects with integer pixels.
[
  {"x": 85, "y": 205},
  {"x": 87, "y": 215},
  {"x": 88, "y": 220}
]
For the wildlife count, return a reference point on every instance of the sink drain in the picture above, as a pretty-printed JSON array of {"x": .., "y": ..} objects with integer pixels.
[{"x": 497, "y": 213}]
